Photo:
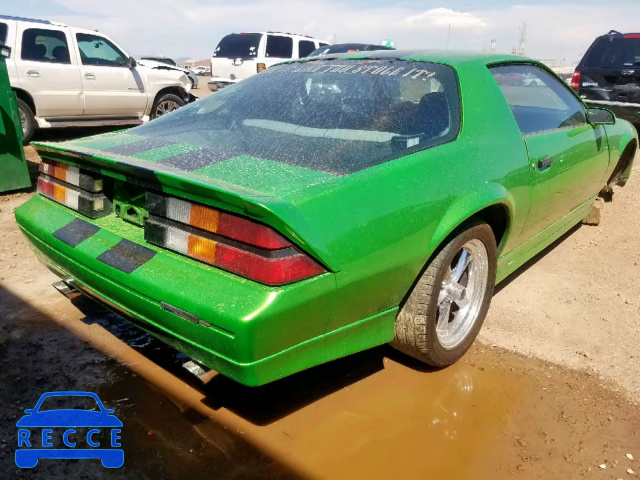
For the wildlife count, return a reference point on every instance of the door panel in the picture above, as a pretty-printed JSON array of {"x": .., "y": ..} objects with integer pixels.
[
  {"x": 110, "y": 87},
  {"x": 568, "y": 157},
  {"x": 49, "y": 73},
  {"x": 569, "y": 169}
]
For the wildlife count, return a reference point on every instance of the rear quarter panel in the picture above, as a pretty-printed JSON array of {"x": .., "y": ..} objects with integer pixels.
[
  {"x": 382, "y": 224},
  {"x": 620, "y": 136}
]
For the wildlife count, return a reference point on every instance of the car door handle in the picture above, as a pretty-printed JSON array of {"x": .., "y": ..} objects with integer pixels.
[
  {"x": 33, "y": 73},
  {"x": 89, "y": 76},
  {"x": 544, "y": 164}
]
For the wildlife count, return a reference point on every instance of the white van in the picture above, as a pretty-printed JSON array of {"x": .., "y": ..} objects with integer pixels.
[
  {"x": 241, "y": 55},
  {"x": 64, "y": 76}
]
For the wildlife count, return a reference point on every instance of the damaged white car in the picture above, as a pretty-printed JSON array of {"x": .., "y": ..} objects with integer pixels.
[{"x": 65, "y": 76}]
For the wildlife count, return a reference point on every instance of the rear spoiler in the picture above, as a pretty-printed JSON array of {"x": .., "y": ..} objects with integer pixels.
[{"x": 275, "y": 212}]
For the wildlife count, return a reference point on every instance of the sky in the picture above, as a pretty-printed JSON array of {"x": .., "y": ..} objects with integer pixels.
[{"x": 555, "y": 29}]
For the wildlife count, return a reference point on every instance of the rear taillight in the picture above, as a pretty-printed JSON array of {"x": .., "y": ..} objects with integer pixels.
[
  {"x": 260, "y": 67},
  {"x": 73, "y": 188},
  {"x": 575, "y": 80},
  {"x": 71, "y": 175},
  {"x": 233, "y": 243}
]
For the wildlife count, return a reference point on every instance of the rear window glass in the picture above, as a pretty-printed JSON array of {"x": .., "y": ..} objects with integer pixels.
[
  {"x": 3, "y": 32},
  {"x": 333, "y": 116},
  {"x": 43, "y": 45},
  {"x": 238, "y": 45},
  {"x": 614, "y": 52},
  {"x": 305, "y": 48},
  {"x": 279, "y": 47}
]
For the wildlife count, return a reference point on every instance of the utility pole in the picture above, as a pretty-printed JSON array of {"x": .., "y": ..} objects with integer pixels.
[
  {"x": 448, "y": 36},
  {"x": 493, "y": 45},
  {"x": 523, "y": 40}
]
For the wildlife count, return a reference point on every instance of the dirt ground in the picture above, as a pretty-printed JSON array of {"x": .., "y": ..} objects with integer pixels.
[
  {"x": 578, "y": 304},
  {"x": 551, "y": 391}
]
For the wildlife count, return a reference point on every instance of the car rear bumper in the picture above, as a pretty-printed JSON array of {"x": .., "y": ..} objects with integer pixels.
[
  {"x": 218, "y": 83},
  {"x": 623, "y": 110},
  {"x": 250, "y": 332}
]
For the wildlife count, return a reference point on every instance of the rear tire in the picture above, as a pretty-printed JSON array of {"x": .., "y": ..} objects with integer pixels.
[
  {"x": 166, "y": 103},
  {"x": 27, "y": 121},
  {"x": 441, "y": 317},
  {"x": 626, "y": 158}
]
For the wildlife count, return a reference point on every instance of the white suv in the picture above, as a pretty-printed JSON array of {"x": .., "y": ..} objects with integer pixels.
[
  {"x": 64, "y": 76},
  {"x": 241, "y": 55}
]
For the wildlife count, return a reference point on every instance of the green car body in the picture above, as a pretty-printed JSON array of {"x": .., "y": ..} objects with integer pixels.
[
  {"x": 373, "y": 230},
  {"x": 15, "y": 174}
]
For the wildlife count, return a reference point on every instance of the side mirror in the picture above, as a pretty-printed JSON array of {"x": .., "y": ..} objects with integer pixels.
[
  {"x": 600, "y": 116},
  {"x": 131, "y": 62},
  {"x": 109, "y": 411},
  {"x": 5, "y": 52},
  {"x": 28, "y": 411}
]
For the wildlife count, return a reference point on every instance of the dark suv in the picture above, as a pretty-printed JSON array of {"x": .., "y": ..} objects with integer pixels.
[{"x": 609, "y": 74}]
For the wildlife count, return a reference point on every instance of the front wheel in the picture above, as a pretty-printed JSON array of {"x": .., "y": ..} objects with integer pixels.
[
  {"x": 166, "y": 103},
  {"x": 27, "y": 121},
  {"x": 444, "y": 312}
]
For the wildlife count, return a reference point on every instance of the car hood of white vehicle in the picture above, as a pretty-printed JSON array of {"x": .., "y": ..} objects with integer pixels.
[{"x": 160, "y": 72}]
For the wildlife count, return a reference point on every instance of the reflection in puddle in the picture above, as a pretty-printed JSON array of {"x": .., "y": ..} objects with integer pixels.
[{"x": 404, "y": 423}]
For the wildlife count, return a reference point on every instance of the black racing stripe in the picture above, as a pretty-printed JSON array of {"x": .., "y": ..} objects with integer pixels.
[
  {"x": 132, "y": 148},
  {"x": 75, "y": 232},
  {"x": 197, "y": 159},
  {"x": 127, "y": 256}
]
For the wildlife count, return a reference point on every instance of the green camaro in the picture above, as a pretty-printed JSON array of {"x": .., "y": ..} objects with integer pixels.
[{"x": 326, "y": 206}]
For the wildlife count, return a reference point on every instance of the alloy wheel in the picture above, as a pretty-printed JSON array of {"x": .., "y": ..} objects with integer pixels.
[
  {"x": 165, "y": 107},
  {"x": 462, "y": 293}
]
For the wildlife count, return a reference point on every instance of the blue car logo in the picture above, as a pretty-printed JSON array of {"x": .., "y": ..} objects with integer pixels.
[{"x": 69, "y": 433}]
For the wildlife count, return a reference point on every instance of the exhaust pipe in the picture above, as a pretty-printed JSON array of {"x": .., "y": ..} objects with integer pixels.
[
  {"x": 67, "y": 287},
  {"x": 203, "y": 373}
]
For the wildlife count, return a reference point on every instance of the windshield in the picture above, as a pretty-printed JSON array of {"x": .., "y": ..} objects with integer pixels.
[
  {"x": 238, "y": 45},
  {"x": 614, "y": 52},
  {"x": 69, "y": 402},
  {"x": 328, "y": 115}
]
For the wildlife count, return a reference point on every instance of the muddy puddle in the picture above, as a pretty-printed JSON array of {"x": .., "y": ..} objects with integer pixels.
[{"x": 376, "y": 414}]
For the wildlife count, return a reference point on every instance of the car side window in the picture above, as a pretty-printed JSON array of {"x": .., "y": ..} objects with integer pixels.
[
  {"x": 41, "y": 45},
  {"x": 539, "y": 101},
  {"x": 305, "y": 48},
  {"x": 4, "y": 29},
  {"x": 279, "y": 47},
  {"x": 96, "y": 50}
]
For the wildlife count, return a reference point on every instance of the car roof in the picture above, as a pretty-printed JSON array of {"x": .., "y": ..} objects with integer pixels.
[
  {"x": 31, "y": 20},
  {"x": 286, "y": 34},
  {"x": 446, "y": 57},
  {"x": 615, "y": 33}
]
